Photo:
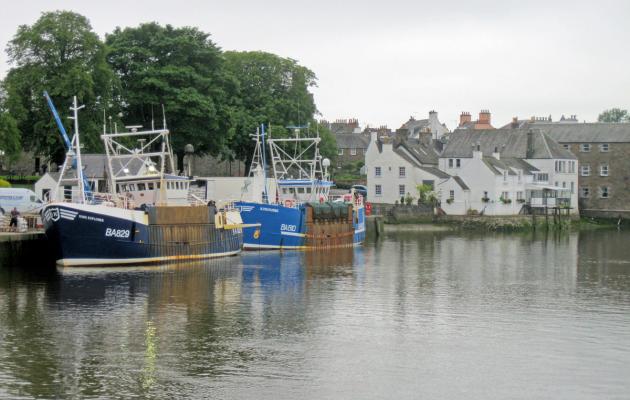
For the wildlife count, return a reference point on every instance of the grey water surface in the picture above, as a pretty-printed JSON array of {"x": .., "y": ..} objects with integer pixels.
[{"x": 414, "y": 315}]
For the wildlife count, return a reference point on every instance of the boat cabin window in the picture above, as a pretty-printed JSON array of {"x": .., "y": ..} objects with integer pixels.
[
  {"x": 308, "y": 190},
  {"x": 157, "y": 185},
  {"x": 300, "y": 190},
  {"x": 150, "y": 185},
  {"x": 169, "y": 185},
  {"x": 284, "y": 190},
  {"x": 132, "y": 187},
  {"x": 291, "y": 190},
  {"x": 141, "y": 186}
]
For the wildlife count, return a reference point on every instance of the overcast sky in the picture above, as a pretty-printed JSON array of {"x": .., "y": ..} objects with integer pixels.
[{"x": 382, "y": 61}]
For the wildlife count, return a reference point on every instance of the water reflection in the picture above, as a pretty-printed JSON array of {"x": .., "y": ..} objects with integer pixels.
[{"x": 502, "y": 313}]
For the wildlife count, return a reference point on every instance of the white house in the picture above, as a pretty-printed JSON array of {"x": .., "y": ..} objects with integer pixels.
[
  {"x": 432, "y": 125},
  {"x": 396, "y": 166},
  {"x": 506, "y": 172}
]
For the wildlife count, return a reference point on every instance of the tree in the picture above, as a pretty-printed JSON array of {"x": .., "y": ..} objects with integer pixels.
[
  {"x": 181, "y": 69},
  {"x": 269, "y": 89},
  {"x": 9, "y": 137},
  {"x": 61, "y": 54},
  {"x": 614, "y": 115}
]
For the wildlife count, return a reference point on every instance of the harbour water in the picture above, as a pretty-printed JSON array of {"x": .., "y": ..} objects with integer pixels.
[{"x": 413, "y": 315}]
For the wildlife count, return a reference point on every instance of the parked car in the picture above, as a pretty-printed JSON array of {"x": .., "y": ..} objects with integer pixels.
[{"x": 361, "y": 189}]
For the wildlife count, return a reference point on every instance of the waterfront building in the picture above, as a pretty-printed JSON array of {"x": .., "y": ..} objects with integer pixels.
[
  {"x": 603, "y": 151},
  {"x": 396, "y": 165},
  {"x": 506, "y": 172}
]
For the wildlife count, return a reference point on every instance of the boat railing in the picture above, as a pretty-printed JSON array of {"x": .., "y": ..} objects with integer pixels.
[
  {"x": 347, "y": 198},
  {"x": 73, "y": 195}
]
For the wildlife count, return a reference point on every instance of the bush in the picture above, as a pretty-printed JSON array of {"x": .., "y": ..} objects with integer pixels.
[
  {"x": 449, "y": 201},
  {"x": 472, "y": 211},
  {"x": 4, "y": 184},
  {"x": 485, "y": 199}
]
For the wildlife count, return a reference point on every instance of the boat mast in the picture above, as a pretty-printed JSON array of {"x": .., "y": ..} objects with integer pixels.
[{"x": 77, "y": 145}]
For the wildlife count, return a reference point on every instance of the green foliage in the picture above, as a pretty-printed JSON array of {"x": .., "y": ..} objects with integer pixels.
[
  {"x": 270, "y": 89},
  {"x": 9, "y": 137},
  {"x": 61, "y": 54},
  {"x": 4, "y": 184},
  {"x": 182, "y": 69},
  {"x": 409, "y": 199},
  {"x": 614, "y": 115},
  {"x": 426, "y": 194}
]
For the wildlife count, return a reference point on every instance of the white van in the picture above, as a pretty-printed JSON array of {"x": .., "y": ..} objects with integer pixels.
[{"x": 24, "y": 200}]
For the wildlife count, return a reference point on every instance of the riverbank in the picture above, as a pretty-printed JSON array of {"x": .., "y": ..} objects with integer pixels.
[{"x": 512, "y": 223}]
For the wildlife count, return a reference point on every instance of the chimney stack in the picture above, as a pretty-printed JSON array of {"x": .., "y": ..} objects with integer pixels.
[
  {"x": 484, "y": 117},
  {"x": 464, "y": 118}
]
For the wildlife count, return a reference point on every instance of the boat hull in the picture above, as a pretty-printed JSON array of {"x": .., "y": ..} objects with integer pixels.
[
  {"x": 283, "y": 227},
  {"x": 99, "y": 235}
]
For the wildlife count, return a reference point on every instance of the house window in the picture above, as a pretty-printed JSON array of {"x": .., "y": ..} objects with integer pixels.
[
  {"x": 450, "y": 163},
  {"x": 378, "y": 190},
  {"x": 520, "y": 176},
  {"x": 377, "y": 172},
  {"x": 603, "y": 192},
  {"x": 401, "y": 190},
  {"x": 340, "y": 152},
  {"x": 458, "y": 163},
  {"x": 505, "y": 195},
  {"x": 585, "y": 147},
  {"x": 585, "y": 170},
  {"x": 571, "y": 167},
  {"x": 353, "y": 151},
  {"x": 519, "y": 195},
  {"x": 505, "y": 175},
  {"x": 451, "y": 195},
  {"x": 603, "y": 170},
  {"x": 585, "y": 191},
  {"x": 542, "y": 177},
  {"x": 401, "y": 172},
  {"x": 566, "y": 146},
  {"x": 572, "y": 187},
  {"x": 604, "y": 147}
]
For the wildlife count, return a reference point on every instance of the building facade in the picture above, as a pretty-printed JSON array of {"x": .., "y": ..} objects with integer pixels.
[
  {"x": 506, "y": 172},
  {"x": 396, "y": 166},
  {"x": 603, "y": 151}
]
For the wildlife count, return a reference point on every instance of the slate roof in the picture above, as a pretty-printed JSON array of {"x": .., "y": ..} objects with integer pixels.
[
  {"x": 351, "y": 141},
  {"x": 435, "y": 171},
  {"x": 595, "y": 132},
  {"x": 415, "y": 125},
  {"x": 461, "y": 182},
  {"x": 421, "y": 152},
  {"x": 511, "y": 143}
]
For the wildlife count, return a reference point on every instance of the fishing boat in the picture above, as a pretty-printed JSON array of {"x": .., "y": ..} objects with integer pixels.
[
  {"x": 296, "y": 210},
  {"x": 145, "y": 216}
]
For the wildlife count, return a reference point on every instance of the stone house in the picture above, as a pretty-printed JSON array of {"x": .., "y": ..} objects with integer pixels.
[
  {"x": 603, "y": 151},
  {"x": 395, "y": 166},
  {"x": 506, "y": 172},
  {"x": 351, "y": 147}
]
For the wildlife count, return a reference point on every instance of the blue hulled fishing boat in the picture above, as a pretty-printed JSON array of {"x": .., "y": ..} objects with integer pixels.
[{"x": 295, "y": 210}]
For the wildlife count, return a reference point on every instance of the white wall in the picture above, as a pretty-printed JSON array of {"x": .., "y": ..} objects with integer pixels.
[
  {"x": 390, "y": 179},
  {"x": 480, "y": 178},
  {"x": 563, "y": 179}
]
